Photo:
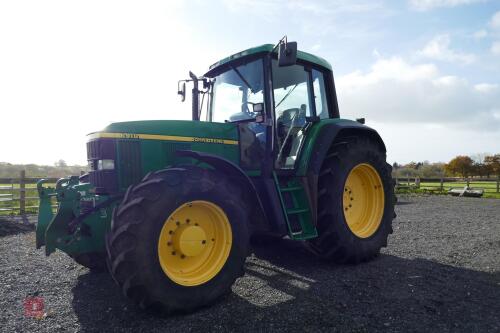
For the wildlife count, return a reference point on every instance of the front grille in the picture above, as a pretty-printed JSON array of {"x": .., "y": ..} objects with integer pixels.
[
  {"x": 104, "y": 181},
  {"x": 130, "y": 162},
  {"x": 101, "y": 149}
]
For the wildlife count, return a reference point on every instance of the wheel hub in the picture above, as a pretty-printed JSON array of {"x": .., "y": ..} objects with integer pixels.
[
  {"x": 363, "y": 200},
  {"x": 194, "y": 243},
  {"x": 189, "y": 240}
]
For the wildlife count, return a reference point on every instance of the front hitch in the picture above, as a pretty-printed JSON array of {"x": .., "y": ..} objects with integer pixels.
[
  {"x": 51, "y": 226},
  {"x": 73, "y": 229},
  {"x": 45, "y": 213}
]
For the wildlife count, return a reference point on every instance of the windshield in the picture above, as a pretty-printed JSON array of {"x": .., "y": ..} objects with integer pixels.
[{"x": 236, "y": 90}]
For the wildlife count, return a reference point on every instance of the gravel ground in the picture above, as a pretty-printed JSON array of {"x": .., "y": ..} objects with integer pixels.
[{"x": 440, "y": 272}]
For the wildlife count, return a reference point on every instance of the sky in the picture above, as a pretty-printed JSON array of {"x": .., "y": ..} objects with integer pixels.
[{"x": 424, "y": 73}]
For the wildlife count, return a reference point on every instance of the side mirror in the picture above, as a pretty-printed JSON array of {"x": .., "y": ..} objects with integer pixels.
[
  {"x": 287, "y": 54},
  {"x": 181, "y": 90},
  {"x": 258, "y": 109}
]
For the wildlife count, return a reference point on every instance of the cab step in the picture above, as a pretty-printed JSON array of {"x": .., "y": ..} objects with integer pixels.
[{"x": 293, "y": 198}]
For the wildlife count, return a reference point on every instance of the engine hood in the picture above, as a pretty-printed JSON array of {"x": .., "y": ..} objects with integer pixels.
[{"x": 171, "y": 130}]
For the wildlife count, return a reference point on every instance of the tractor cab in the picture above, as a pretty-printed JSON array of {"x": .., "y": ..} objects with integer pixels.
[{"x": 273, "y": 97}]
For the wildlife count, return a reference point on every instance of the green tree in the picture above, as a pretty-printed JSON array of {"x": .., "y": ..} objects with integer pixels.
[
  {"x": 461, "y": 166},
  {"x": 493, "y": 163}
]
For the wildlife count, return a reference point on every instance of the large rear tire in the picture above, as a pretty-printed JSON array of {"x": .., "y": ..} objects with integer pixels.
[
  {"x": 355, "y": 202},
  {"x": 179, "y": 239}
]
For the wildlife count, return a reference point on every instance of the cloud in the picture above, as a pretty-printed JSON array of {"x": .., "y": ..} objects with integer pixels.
[
  {"x": 439, "y": 49},
  {"x": 424, "y": 5},
  {"x": 487, "y": 87},
  {"x": 395, "y": 91},
  {"x": 495, "y": 48},
  {"x": 495, "y": 20},
  {"x": 480, "y": 34},
  {"x": 309, "y": 14}
]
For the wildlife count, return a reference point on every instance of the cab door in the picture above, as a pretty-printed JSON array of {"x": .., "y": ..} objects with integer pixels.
[{"x": 299, "y": 101}]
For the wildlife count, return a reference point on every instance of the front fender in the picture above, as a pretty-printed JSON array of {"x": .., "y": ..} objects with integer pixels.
[{"x": 230, "y": 169}]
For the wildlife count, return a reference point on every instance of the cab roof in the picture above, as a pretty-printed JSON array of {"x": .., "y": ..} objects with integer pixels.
[{"x": 268, "y": 48}]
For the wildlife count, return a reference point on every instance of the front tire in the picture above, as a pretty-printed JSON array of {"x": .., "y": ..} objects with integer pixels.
[
  {"x": 179, "y": 239},
  {"x": 355, "y": 202}
]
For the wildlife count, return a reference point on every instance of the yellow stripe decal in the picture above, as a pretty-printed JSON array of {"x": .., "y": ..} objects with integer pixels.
[{"x": 161, "y": 137}]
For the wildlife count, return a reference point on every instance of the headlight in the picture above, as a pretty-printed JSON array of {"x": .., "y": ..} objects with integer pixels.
[{"x": 105, "y": 165}]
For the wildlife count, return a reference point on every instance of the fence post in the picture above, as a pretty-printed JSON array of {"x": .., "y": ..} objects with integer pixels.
[
  {"x": 417, "y": 182},
  {"x": 441, "y": 181},
  {"x": 22, "y": 192},
  {"x": 498, "y": 184},
  {"x": 408, "y": 179},
  {"x": 468, "y": 182}
]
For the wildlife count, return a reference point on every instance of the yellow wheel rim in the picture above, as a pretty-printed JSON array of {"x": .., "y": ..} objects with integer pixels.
[
  {"x": 363, "y": 200},
  {"x": 194, "y": 243}
]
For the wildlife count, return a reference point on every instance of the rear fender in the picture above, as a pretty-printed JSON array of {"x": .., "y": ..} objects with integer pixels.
[
  {"x": 319, "y": 140},
  {"x": 324, "y": 134}
]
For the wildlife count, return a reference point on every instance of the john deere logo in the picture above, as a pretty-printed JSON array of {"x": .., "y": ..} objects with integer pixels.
[{"x": 208, "y": 140}]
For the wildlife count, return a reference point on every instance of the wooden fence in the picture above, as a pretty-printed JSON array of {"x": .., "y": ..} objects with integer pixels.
[
  {"x": 20, "y": 195},
  {"x": 491, "y": 185}
]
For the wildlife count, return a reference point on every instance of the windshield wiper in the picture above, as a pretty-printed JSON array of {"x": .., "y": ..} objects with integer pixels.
[
  {"x": 288, "y": 94},
  {"x": 243, "y": 79}
]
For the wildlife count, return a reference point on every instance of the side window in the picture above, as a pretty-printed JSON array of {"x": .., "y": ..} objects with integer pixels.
[
  {"x": 320, "y": 94},
  {"x": 292, "y": 104}
]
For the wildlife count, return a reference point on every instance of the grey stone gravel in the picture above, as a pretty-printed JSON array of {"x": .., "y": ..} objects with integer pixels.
[{"x": 440, "y": 272}]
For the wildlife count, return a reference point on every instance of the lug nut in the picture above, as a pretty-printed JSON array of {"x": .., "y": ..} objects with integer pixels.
[
  {"x": 203, "y": 242},
  {"x": 173, "y": 253}
]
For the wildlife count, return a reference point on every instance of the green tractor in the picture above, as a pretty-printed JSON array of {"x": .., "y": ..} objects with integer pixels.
[{"x": 170, "y": 206}]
